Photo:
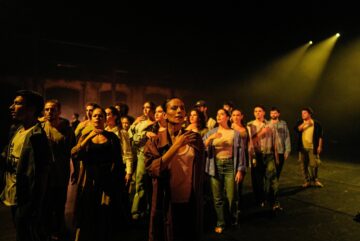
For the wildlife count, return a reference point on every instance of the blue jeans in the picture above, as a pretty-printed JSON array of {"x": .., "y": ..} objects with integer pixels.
[{"x": 224, "y": 180}]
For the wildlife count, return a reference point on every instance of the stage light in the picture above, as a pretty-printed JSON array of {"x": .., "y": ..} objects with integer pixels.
[
  {"x": 310, "y": 42},
  {"x": 337, "y": 35}
]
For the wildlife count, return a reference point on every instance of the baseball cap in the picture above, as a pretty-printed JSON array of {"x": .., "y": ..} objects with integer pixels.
[{"x": 200, "y": 103}]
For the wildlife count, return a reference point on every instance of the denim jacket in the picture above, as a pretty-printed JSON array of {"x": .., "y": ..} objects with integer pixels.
[{"x": 239, "y": 156}]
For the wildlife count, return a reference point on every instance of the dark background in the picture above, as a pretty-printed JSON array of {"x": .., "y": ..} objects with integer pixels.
[{"x": 215, "y": 49}]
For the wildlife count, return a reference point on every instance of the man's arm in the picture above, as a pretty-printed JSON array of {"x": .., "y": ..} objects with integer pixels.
[
  {"x": 42, "y": 158},
  {"x": 287, "y": 142},
  {"x": 305, "y": 125},
  {"x": 319, "y": 148}
]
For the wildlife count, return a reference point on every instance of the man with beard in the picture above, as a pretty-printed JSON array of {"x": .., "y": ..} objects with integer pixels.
[{"x": 283, "y": 143}]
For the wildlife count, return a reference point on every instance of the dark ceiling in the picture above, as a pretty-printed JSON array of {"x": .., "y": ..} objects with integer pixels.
[{"x": 158, "y": 41}]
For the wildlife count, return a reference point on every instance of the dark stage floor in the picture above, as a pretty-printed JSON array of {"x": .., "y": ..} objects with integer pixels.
[{"x": 314, "y": 214}]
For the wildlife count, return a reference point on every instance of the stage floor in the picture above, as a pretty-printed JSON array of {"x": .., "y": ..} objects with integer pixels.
[{"x": 316, "y": 214}]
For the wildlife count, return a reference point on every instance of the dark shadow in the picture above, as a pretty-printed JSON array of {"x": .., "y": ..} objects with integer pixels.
[
  {"x": 290, "y": 191},
  {"x": 357, "y": 217}
]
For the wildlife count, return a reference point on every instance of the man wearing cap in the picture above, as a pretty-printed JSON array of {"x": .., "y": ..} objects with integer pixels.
[
  {"x": 310, "y": 142},
  {"x": 201, "y": 106},
  {"x": 228, "y": 106}
]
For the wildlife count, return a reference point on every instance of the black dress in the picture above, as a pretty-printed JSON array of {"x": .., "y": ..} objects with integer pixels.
[{"x": 102, "y": 163}]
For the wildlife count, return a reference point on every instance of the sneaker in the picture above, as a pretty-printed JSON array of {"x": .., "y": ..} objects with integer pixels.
[
  {"x": 306, "y": 184},
  {"x": 219, "y": 229},
  {"x": 277, "y": 207},
  {"x": 135, "y": 216},
  {"x": 318, "y": 184},
  {"x": 357, "y": 217},
  {"x": 54, "y": 238}
]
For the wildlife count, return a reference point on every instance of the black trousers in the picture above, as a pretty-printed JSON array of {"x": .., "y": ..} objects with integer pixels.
[
  {"x": 184, "y": 216},
  {"x": 28, "y": 227},
  {"x": 280, "y": 165}
]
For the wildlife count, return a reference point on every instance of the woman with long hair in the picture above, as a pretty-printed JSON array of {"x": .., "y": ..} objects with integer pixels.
[
  {"x": 159, "y": 124},
  {"x": 121, "y": 204},
  {"x": 197, "y": 122},
  {"x": 100, "y": 153},
  {"x": 138, "y": 137},
  {"x": 238, "y": 124},
  {"x": 225, "y": 163},
  {"x": 113, "y": 125}
]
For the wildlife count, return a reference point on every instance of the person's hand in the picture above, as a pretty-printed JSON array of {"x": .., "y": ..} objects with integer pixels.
[
  {"x": 149, "y": 123},
  {"x": 44, "y": 118},
  {"x": 150, "y": 134},
  {"x": 286, "y": 155},
  {"x": 90, "y": 136},
  {"x": 239, "y": 177},
  {"x": 277, "y": 161},
  {"x": 307, "y": 123},
  {"x": 98, "y": 131},
  {"x": 184, "y": 139},
  {"x": 93, "y": 133},
  {"x": 264, "y": 130},
  {"x": 191, "y": 126},
  {"x": 251, "y": 151},
  {"x": 215, "y": 136},
  {"x": 127, "y": 179},
  {"x": 138, "y": 119},
  {"x": 74, "y": 178},
  {"x": 319, "y": 150}
]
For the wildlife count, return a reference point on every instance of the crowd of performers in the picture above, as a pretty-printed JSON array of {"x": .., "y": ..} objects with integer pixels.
[{"x": 159, "y": 168}]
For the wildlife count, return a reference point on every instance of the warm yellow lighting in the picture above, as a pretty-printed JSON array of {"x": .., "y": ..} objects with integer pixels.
[
  {"x": 310, "y": 42},
  {"x": 310, "y": 69},
  {"x": 337, "y": 35}
]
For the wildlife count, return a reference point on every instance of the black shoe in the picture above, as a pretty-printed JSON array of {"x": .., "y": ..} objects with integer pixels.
[{"x": 357, "y": 217}]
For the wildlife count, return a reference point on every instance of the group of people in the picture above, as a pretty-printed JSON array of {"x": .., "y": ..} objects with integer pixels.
[{"x": 156, "y": 168}]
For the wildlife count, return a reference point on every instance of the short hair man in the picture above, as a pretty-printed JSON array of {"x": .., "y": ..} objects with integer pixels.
[
  {"x": 283, "y": 144},
  {"x": 202, "y": 107},
  {"x": 310, "y": 143},
  {"x": 27, "y": 160},
  {"x": 124, "y": 111},
  {"x": 61, "y": 139},
  {"x": 74, "y": 121},
  {"x": 85, "y": 126},
  {"x": 263, "y": 153}
]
